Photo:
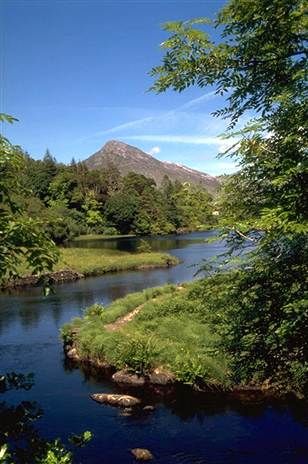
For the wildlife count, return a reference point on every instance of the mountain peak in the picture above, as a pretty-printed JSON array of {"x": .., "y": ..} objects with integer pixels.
[{"x": 128, "y": 158}]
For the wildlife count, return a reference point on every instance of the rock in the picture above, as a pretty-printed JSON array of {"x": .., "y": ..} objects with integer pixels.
[
  {"x": 128, "y": 378},
  {"x": 148, "y": 408},
  {"x": 142, "y": 454},
  {"x": 161, "y": 377},
  {"x": 124, "y": 401},
  {"x": 72, "y": 354},
  {"x": 65, "y": 275}
]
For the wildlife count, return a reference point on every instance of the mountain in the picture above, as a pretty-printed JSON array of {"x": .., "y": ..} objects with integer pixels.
[{"x": 128, "y": 158}]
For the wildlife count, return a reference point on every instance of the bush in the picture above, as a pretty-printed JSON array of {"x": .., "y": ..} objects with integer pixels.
[{"x": 144, "y": 247}]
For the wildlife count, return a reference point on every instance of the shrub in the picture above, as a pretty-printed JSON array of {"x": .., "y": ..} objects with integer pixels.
[{"x": 144, "y": 247}]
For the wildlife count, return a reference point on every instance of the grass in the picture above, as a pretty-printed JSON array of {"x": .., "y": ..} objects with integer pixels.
[
  {"x": 170, "y": 331},
  {"x": 91, "y": 261},
  {"x": 94, "y": 261}
]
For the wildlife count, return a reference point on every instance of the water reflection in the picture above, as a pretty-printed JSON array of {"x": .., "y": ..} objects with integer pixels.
[{"x": 158, "y": 243}]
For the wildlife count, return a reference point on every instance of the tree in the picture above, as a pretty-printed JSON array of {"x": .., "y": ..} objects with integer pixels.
[
  {"x": 41, "y": 173},
  {"x": 21, "y": 238},
  {"x": 259, "y": 65},
  {"x": 193, "y": 204},
  {"x": 120, "y": 210}
]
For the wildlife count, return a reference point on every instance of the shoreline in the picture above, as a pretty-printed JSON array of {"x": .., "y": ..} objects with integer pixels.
[
  {"x": 70, "y": 275},
  {"x": 164, "y": 383},
  {"x": 164, "y": 373}
]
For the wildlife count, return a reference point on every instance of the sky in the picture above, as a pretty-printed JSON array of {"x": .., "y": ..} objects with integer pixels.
[{"x": 76, "y": 74}]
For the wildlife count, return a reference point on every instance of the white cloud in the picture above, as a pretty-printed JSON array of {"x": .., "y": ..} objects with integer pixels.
[
  {"x": 171, "y": 117},
  {"x": 154, "y": 150},
  {"x": 221, "y": 144},
  {"x": 196, "y": 101},
  {"x": 126, "y": 125}
]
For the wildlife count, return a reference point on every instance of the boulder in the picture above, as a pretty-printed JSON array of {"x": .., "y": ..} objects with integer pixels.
[
  {"x": 124, "y": 401},
  {"x": 128, "y": 378},
  {"x": 161, "y": 377},
  {"x": 142, "y": 454},
  {"x": 148, "y": 408},
  {"x": 72, "y": 354}
]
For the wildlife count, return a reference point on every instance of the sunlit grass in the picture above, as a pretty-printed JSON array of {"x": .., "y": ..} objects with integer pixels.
[
  {"x": 95, "y": 261},
  {"x": 170, "y": 331}
]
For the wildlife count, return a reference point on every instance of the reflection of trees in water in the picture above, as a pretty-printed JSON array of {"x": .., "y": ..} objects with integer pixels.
[
  {"x": 16, "y": 422},
  {"x": 20, "y": 441},
  {"x": 30, "y": 312},
  {"x": 188, "y": 404},
  {"x": 158, "y": 243}
]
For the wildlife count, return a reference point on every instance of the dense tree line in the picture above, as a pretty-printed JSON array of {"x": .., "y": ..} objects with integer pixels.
[{"x": 71, "y": 200}]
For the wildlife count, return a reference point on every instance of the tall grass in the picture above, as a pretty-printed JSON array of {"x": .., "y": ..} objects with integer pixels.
[{"x": 170, "y": 331}]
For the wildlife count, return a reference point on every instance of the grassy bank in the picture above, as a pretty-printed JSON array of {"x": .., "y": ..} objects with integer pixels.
[
  {"x": 94, "y": 261},
  {"x": 201, "y": 332},
  {"x": 91, "y": 261},
  {"x": 170, "y": 331}
]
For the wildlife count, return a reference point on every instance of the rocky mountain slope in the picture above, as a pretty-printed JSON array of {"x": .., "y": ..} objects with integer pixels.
[{"x": 128, "y": 158}]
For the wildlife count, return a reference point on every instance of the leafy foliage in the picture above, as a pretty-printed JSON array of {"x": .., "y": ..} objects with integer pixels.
[
  {"x": 21, "y": 238},
  {"x": 71, "y": 200},
  {"x": 259, "y": 65}
]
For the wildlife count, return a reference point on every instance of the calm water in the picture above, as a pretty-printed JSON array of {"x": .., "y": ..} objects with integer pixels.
[{"x": 181, "y": 430}]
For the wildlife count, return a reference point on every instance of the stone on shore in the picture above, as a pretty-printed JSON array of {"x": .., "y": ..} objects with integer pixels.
[
  {"x": 124, "y": 401},
  {"x": 148, "y": 408},
  {"x": 72, "y": 354},
  {"x": 161, "y": 377},
  {"x": 142, "y": 454},
  {"x": 128, "y": 378}
]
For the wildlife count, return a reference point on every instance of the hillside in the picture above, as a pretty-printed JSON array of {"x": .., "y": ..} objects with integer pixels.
[{"x": 128, "y": 158}]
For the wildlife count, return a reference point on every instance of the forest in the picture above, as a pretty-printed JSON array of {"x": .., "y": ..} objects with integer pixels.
[{"x": 73, "y": 200}]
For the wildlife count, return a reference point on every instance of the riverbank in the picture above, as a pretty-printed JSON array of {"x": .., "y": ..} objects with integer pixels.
[
  {"x": 163, "y": 337},
  {"x": 77, "y": 263},
  {"x": 153, "y": 336}
]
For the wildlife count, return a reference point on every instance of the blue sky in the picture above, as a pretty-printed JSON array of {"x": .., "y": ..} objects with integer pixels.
[{"x": 75, "y": 74}]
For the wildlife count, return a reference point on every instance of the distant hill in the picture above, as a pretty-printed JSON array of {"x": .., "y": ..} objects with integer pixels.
[{"x": 128, "y": 158}]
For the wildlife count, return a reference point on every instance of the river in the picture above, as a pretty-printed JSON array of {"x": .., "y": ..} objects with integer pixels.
[{"x": 181, "y": 430}]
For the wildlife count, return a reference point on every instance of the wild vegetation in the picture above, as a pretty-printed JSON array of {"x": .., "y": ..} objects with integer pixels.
[
  {"x": 171, "y": 331},
  {"x": 91, "y": 261},
  {"x": 72, "y": 200},
  {"x": 198, "y": 332},
  {"x": 260, "y": 66}
]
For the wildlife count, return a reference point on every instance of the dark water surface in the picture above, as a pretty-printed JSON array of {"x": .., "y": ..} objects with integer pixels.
[{"x": 181, "y": 430}]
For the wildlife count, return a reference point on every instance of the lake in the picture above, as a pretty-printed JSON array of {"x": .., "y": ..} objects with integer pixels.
[{"x": 185, "y": 429}]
